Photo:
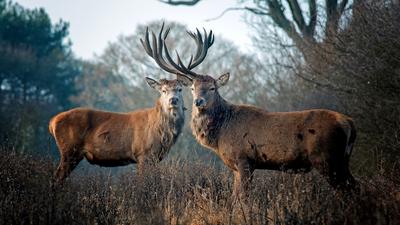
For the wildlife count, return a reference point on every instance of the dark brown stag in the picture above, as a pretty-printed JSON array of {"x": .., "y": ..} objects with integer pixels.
[
  {"x": 247, "y": 138},
  {"x": 114, "y": 139}
]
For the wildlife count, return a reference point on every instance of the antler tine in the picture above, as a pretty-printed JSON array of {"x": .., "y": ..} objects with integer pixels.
[
  {"x": 210, "y": 39},
  {"x": 188, "y": 72},
  {"x": 202, "y": 47},
  {"x": 190, "y": 61},
  {"x": 155, "y": 50},
  {"x": 159, "y": 55},
  {"x": 166, "y": 33},
  {"x": 198, "y": 51},
  {"x": 156, "y": 56},
  {"x": 169, "y": 58},
  {"x": 176, "y": 65},
  {"x": 199, "y": 41},
  {"x": 146, "y": 44}
]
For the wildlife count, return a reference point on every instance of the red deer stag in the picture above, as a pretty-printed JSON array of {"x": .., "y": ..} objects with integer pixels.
[
  {"x": 247, "y": 138},
  {"x": 115, "y": 139}
]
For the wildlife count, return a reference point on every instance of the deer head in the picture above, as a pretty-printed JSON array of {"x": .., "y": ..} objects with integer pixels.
[
  {"x": 171, "y": 97},
  {"x": 204, "y": 87}
]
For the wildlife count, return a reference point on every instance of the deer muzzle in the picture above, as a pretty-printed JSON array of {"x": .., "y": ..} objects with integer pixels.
[{"x": 199, "y": 102}]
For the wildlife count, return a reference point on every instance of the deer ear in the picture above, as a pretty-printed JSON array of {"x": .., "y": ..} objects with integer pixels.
[
  {"x": 222, "y": 80},
  {"x": 153, "y": 83},
  {"x": 185, "y": 81}
]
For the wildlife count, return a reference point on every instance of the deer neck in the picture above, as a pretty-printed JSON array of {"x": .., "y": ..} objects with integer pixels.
[
  {"x": 207, "y": 123},
  {"x": 169, "y": 124}
]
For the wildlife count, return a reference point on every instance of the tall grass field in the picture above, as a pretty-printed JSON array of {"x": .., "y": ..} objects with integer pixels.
[{"x": 179, "y": 191}]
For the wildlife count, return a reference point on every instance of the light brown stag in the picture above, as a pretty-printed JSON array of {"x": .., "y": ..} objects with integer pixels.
[
  {"x": 247, "y": 138},
  {"x": 114, "y": 139}
]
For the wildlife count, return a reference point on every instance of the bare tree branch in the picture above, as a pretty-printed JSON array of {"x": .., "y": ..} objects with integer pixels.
[
  {"x": 332, "y": 18},
  {"x": 342, "y": 6},
  {"x": 278, "y": 16},
  {"x": 252, "y": 10},
  {"x": 297, "y": 14},
  {"x": 313, "y": 18},
  {"x": 188, "y": 3},
  {"x": 257, "y": 11}
]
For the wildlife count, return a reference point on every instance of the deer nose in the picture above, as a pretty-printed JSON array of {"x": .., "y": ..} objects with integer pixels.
[
  {"x": 198, "y": 102},
  {"x": 173, "y": 101}
]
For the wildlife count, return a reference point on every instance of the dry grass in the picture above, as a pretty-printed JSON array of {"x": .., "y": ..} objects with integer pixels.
[{"x": 183, "y": 192}]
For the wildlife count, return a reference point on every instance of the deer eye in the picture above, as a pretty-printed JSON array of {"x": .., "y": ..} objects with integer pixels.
[
  {"x": 164, "y": 91},
  {"x": 212, "y": 89},
  {"x": 180, "y": 89},
  {"x": 192, "y": 89}
]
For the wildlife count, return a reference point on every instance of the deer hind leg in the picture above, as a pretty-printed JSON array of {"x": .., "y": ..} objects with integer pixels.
[
  {"x": 341, "y": 179},
  {"x": 68, "y": 161},
  {"x": 337, "y": 173}
]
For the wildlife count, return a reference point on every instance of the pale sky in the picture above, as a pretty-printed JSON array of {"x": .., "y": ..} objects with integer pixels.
[{"x": 94, "y": 23}]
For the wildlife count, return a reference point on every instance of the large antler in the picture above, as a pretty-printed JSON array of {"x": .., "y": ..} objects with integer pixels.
[{"x": 159, "y": 44}]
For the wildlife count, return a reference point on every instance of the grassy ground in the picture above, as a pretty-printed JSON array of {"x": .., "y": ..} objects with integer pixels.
[{"x": 183, "y": 192}]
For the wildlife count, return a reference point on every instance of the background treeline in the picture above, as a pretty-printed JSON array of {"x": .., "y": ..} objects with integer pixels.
[
  {"x": 340, "y": 55},
  {"x": 37, "y": 74}
]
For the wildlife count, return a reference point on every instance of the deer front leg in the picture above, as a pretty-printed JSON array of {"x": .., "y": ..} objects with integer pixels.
[
  {"x": 242, "y": 178},
  {"x": 145, "y": 163},
  {"x": 69, "y": 159}
]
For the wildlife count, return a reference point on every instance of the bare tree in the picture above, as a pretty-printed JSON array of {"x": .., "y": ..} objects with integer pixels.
[
  {"x": 355, "y": 71},
  {"x": 298, "y": 19},
  {"x": 361, "y": 66}
]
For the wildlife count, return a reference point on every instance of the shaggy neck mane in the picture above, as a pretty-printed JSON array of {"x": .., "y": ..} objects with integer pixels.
[
  {"x": 169, "y": 125},
  {"x": 207, "y": 123}
]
